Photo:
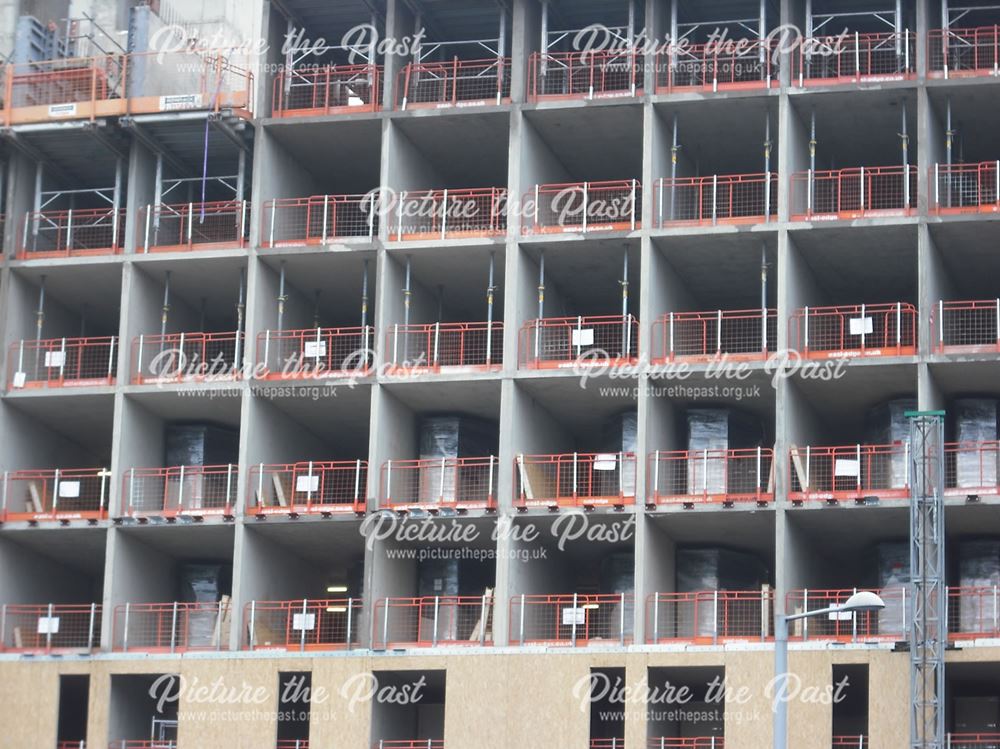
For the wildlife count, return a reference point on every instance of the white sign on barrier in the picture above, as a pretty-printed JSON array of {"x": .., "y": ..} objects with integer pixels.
[
  {"x": 55, "y": 359},
  {"x": 48, "y": 625},
  {"x": 605, "y": 462},
  {"x": 306, "y": 483},
  {"x": 583, "y": 337},
  {"x": 847, "y": 467},
  {"x": 180, "y": 101},
  {"x": 573, "y": 616},
  {"x": 315, "y": 349},
  {"x": 62, "y": 110},
  {"x": 305, "y": 622},
  {"x": 19, "y": 379},
  {"x": 862, "y": 326},
  {"x": 69, "y": 489}
]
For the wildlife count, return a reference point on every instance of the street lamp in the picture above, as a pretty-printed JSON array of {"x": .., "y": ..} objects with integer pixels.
[{"x": 861, "y": 602}]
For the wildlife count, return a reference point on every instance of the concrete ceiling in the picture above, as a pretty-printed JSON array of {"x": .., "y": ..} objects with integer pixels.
[
  {"x": 577, "y": 409},
  {"x": 586, "y": 274},
  {"x": 338, "y": 276},
  {"x": 187, "y": 541},
  {"x": 341, "y": 418},
  {"x": 722, "y": 271},
  {"x": 858, "y": 127},
  {"x": 211, "y": 403},
  {"x": 966, "y": 378},
  {"x": 323, "y": 543},
  {"x": 480, "y": 398},
  {"x": 604, "y": 145},
  {"x": 747, "y": 530},
  {"x": 855, "y": 266},
  {"x": 463, "y": 274},
  {"x": 94, "y": 287},
  {"x": 975, "y": 120},
  {"x": 468, "y": 149},
  {"x": 216, "y": 280},
  {"x": 342, "y": 156},
  {"x": 723, "y": 136},
  {"x": 78, "y": 548},
  {"x": 85, "y": 419}
]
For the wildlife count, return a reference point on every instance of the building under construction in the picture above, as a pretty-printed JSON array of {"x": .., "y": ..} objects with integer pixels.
[{"x": 499, "y": 347}]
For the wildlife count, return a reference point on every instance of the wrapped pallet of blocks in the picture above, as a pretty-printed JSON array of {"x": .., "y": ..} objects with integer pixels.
[
  {"x": 617, "y": 577},
  {"x": 614, "y": 473},
  {"x": 893, "y": 582},
  {"x": 707, "y": 570},
  {"x": 711, "y": 432},
  {"x": 886, "y": 425},
  {"x": 979, "y": 576},
  {"x": 202, "y": 584},
  {"x": 445, "y": 438},
  {"x": 199, "y": 445},
  {"x": 974, "y": 422}
]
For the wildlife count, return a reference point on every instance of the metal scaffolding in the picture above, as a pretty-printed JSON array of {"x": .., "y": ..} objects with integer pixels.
[{"x": 929, "y": 624}]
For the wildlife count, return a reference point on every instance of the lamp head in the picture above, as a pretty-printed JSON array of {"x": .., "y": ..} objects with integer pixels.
[{"x": 861, "y": 602}]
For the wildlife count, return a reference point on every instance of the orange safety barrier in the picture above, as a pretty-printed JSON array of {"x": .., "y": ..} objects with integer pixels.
[
  {"x": 850, "y": 742},
  {"x": 309, "y": 487},
  {"x": 574, "y": 480},
  {"x": 50, "y": 629},
  {"x": 180, "y": 490},
  {"x": 302, "y": 625},
  {"x": 171, "y": 627},
  {"x": 717, "y": 66},
  {"x": 315, "y": 353},
  {"x": 71, "y": 233},
  {"x": 973, "y": 741},
  {"x": 860, "y": 192},
  {"x": 959, "y": 53},
  {"x": 965, "y": 188},
  {"x": 710, "y": 616},
  {"x": 115, "y": 85},
  {"x": 143, "y": 744},
  {"x": 221, "y": 224},
  {"x": 737, "y": 335},
  {"x": 859, "y": 330},
  {"x": 455, "y": 83},
  {"x": 186, "y": 357},
  {"x": 856, "y": 58},
  {"x": 852, "y": 472},
  {"x": 81, "y": 744},
  {"x": 432, "y": 621},
  {"x": 891, "y": 623},
  {"x": 569, "y": 342},
  {"x": 466, "y": 483},
  {"x": 698, "y": 742},
  {"x": 292, "y": 744},
  {"x": 433, "y": 347},
  {"x": 971, "y": 468},
  {"x": 62, "y": 362},
  {"x": 583, "y": 207},
  {"x": 717, "y": 199},
  {"x": 966, "y": 327},
  {"x": 586, "y": 75},
  {"x": 973, "y": 612},
  {"x": 449, "y": 214},
  {"x": 409, "y": 744},
  {"x": 187, "y": 80},
  {"x": 288, "y": 222},
  {"x": 612, "y": 743},
  {"x": 59, "y": 494},
  {"x": 711, "y": 476},
  {"x": 66, "y": 88},
  {"x": 574, "y": 619},
  {"x": 327, "y": 89}
]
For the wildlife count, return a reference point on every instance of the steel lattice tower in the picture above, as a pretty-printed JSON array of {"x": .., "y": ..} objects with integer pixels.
[{"x": 929, "y": 624}]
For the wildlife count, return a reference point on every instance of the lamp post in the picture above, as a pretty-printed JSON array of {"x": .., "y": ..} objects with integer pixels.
[{"x": 861, "y": 602}]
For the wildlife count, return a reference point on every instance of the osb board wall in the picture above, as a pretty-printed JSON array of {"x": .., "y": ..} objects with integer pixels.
[{"x": 494, "y": 701}]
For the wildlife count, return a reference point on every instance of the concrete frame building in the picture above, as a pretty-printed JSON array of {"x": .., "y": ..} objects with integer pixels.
[{"x": 572, "y": 256}]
